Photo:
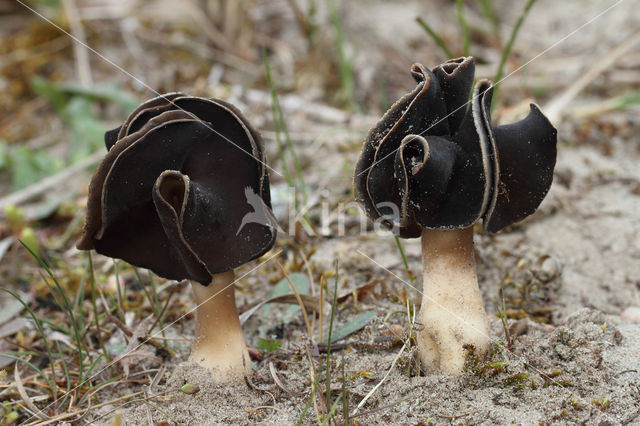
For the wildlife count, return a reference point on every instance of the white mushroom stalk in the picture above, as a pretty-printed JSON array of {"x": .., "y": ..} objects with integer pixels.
[
  {"x": 452, "y": 318},
  {"x": 218, "y": 344}
]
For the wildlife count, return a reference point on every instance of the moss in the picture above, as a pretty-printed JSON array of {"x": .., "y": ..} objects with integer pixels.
[{"x": 515, "y": 379}]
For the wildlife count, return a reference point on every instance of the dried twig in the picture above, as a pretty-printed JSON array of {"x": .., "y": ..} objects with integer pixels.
[
  {"x": 23, "y": 394},
  {"x": 309, "y": 303},
  {"x": 49, "y": 182},
  {"x": 279, "y": 383},
  {"x": 555, "y": 108},
  {"x": 393, "y": 364},
  {"x": 144, "y": 339},
  {"x": 300, "y": 302},
  {"x": 80, "y": 51},
  {"x": 84, "y": 410}
]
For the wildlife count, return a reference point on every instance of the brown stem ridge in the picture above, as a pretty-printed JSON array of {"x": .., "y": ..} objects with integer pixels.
[
  {"x": 218, "y": 343},
  {"x": 452, "y": 315}
]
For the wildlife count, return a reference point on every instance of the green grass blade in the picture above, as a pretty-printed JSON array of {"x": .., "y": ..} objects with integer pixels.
[
  {"x": 78, "y": 301},
  {"x": 55, "y": 326},
  {"x": 87, "y": 375},
  {"x": 309, "y": 400},
  {"x": 94, "y": 304},
  {"x": 345, "y": 67},
  {"x": 487, "y": 10},
  {"x": 509, "y": 45},
  {"x": 160, "y": 319},
  {"x": 331, "y": 412},
  {"x": 281, "y": 130},
  {"x": 144, "y": 287},
  {"x": 333, "y": 314},
  {"x": 436, "y": 38},
  {"x": 292, "y": 152},
  {"x": 24, "y": 361},
  {"x": 38, "y": 324},
  {"x": 98, "y": 386},
  {"x": 404, "y": 260},
  {"x": 67, "y": 376},
  {"x": 67, "y": 306},
  {"x": 120, "y": 295},
  {"x": 154, "y": 293},
  {"x": 285, "y": 132},
  {"x": 345, "y": 396},
  {"x": 276, "y": 122},
  {"x": 464, "y": 28}
]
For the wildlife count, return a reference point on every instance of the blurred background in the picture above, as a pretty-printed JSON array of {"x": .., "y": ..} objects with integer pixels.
[
  {"x": 350, "y": 57},
  {"x": 313, "y": 76}
]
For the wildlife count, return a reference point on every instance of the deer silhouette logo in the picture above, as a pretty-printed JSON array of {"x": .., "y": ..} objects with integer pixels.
[{"x": 261, "y": 213}]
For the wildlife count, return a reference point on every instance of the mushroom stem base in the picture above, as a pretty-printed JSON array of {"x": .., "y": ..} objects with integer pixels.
[
  {"x": 452, "y": 317},
  {"x": 218, "y": 343}
]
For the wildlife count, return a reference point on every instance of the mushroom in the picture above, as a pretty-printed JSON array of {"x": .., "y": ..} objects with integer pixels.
[
  {"x": 170, "y": 195},
  {"x": 431, "y": 168}
]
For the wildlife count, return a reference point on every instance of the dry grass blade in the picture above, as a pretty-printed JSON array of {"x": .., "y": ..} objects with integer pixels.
[
  {"x": 623, "y": 101},
  {"x": 25, "y": 397},
  {"x": 278, "y": 382},
  {"x": 66, "y": 416},
  {"x": 81, "y": 53},
  {"x": 556, "y": 107},
  {"x": 309, "y": 304},
  {"x": 5, "y": 245},
  {"x": 363, "y": 290},
  {"x": 375, "y": 388},
  {"x": 156, "y": 379},
  {"x": 132, "y": 354},
  {"x": 50, "y": 182},
  {"x": 299, "y": 299},
  {"x": 393, "y": 364},
  {"x": 141, "y": 339}
]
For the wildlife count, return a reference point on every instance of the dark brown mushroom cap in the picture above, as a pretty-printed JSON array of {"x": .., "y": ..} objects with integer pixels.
[
  {"x": 172, "y": 192},
  {"x": 431, "y": 162},
  {"x": 141, "y": 115}
]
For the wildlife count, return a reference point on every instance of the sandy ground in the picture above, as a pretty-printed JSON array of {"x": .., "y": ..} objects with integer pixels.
[{"x": 574, "y": 373}]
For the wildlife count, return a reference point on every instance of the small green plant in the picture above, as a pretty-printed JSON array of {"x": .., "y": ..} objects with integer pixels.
[
  {"x": 77, "y": 106},
  {"x": 26, "y": 166},
  {"x": 29, "y": 239},
  {"x": 66, "y": 372},
  {"x": 15, "y": 218},
  {"x": 602, "y": 403},
  {"x": 503, "y": 319},
  {"x": 268, "y": 345},
  {"x": 516, "y": 379},
  {"x": 8, "y": 413}
]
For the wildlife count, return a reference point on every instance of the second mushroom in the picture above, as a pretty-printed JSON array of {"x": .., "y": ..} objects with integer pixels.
[
  {"x": 170, "y": 195},
  {"x": 431, "y": 168}
]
